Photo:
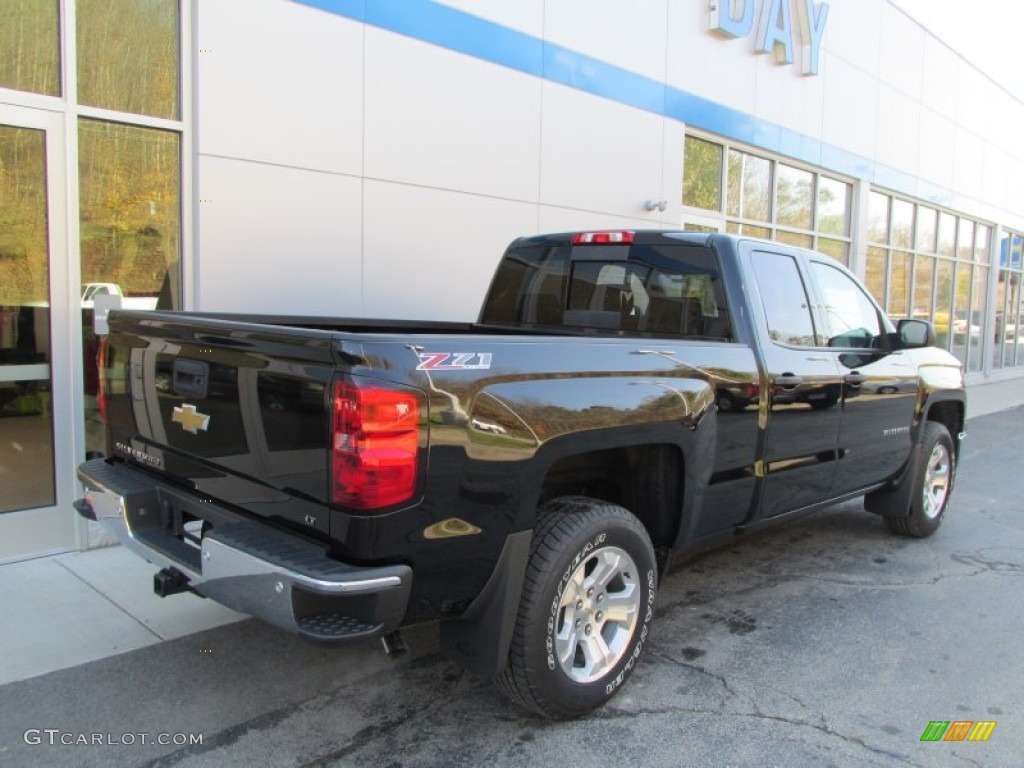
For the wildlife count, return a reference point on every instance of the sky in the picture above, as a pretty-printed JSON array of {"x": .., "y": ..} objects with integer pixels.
[{"x": 985, "y": 32}]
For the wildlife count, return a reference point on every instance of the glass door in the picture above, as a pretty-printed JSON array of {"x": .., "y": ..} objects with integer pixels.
[{"x": 35, "y": 514}]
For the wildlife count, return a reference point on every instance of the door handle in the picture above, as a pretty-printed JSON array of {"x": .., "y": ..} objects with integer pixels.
[
  {"x": 855, "y": 379},
  {"x": 788, "y": 381}
]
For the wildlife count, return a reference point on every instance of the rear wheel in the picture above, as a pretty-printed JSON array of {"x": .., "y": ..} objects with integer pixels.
[
  {"x": 933, "y": 482},
  {"x": 588, "y": 599}
]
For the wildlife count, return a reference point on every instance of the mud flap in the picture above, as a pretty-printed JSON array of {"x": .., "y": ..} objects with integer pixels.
[{"x": 479, "y": 639}]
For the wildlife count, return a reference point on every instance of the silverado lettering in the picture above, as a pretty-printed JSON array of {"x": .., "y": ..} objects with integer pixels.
[{"x": 657, "y": 392}]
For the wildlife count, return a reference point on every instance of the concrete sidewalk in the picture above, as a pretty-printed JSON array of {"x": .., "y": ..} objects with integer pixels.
[{"x": 69, "y": 609}]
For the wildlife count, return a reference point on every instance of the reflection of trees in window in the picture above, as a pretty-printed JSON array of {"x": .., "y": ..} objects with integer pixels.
[
  {"x": 29, "y": 46},
  {"x": 702, "y": 174},
  {"x": 833, "y": 206},
  {"x": 128, "y": 55},
  {"x": 924, "y": 266},
  {"x": 947, "y": 234},
  {"x": 899, "y": 285},
  {"x": 24, "y": 262},
  {"x": 875, "y": 274},
  {"x": 749, "y": 186},
  {"x": 981, "y": 243},
  {"x": 878, "y": 218},
  {"x": 793, "y": 197},
  {"x": 837, "y": 249},
  {"x": 129, "y": 182},
  {"x": 769, "y": 199},
  {"x": 943, "y": 300},
  {"x": 902, "y": 223},
  {"x": 926, "y": 229},
  {"x": 976, "y": 319}
]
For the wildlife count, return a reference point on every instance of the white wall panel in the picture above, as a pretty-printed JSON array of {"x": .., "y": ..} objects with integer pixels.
[
  {"x": 443, "y": 119},
  {"x": 899, "y": 125},
  {"x": 935, "y": 148},
  {"x": 977, "y": 97},
  {"x": 275, "y": 239},
  {"x": 995, "y": 176},
  {"x": 901, "y": 55},
  {"x": 1012, "y": 130},
  {"x": 554, "y": 219},
  {"x": 281, "y": 83},
  {"x": 630, "y": 35},
  {"x": 700, "y": 63},
  {"x": 522, "y": 15},
  {"x": 598, "y": 155},
  {"x": 968, "y": 163},
  {"x": 1015, "y": 195},
  {"x": 674, "y": 145},
  {"x": 939, "y": 78},
  {"x": 430, "y": 254},
  {"x": 850, "y": 107},
  {"x": 853, "y": 32},
  {"x": 784, "y": 97}
]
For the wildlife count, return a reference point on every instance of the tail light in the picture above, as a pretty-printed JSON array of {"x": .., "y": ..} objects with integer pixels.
[
  {"x": 375, "y": 445},
  {"x": 101, "y": 379},
  {"x": 603, "y": 238}
]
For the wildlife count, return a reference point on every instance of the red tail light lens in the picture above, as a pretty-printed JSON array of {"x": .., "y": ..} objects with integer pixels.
[
  {"x": 603, "y": 238},
  {"x": 375, "y": 445},
  {"x": 101, "y": 380}
]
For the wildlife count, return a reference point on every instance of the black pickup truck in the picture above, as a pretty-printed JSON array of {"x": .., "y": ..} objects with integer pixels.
[{"x": 625, "y": 399}]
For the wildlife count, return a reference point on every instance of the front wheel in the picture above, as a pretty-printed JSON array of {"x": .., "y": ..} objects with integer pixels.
[
  {"x": 587, "y": 603},
  {"x": 933, "y": 483}
]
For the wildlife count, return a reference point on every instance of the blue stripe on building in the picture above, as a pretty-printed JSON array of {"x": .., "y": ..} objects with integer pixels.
[{"x": 456, "y": 30}]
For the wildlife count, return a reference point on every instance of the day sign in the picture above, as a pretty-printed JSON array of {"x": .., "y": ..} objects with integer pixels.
[{"x": 774, "y": 32}]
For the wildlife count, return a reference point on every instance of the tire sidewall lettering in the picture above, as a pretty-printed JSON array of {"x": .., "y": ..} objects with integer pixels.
[
  {"x": 638, "y": 650},
  {"x": 574, "y": 562}
]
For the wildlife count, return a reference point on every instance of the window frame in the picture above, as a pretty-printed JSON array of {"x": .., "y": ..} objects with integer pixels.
[
  {"x": 750, "y": 227},
  {"x": 977, "y": 263}
]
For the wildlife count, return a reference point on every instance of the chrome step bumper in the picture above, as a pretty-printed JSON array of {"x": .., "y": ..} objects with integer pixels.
[{"x": 245, "y": 565}]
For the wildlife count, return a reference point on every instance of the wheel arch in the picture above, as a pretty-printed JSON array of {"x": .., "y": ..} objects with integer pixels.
[{"x": 894, "y": 500}]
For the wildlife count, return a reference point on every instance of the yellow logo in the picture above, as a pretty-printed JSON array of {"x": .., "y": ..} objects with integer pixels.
[{"x": 190, "y": 419}]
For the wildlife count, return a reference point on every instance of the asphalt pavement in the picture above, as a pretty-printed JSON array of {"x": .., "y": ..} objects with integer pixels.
[{"x": 827, "y": 641}]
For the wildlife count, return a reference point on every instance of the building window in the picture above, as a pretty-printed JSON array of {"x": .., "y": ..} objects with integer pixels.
[
  {"x": 1009, "y": 337},
  {"x": 930, "y": 264},
  {"x": 130, "y": 209},
  {"x": 30, "y": 46},
  {"x": 129, "y": 170},
  {"x": 768, "y": 198},
  {"x": 128, "y": 56},
  {"x": 702, "y": 184}
]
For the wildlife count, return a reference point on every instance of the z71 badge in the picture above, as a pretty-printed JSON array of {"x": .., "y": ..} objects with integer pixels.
[{"x": 454, "y": 361}]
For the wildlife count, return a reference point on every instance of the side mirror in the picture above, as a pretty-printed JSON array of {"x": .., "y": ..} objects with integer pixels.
[{"x": 915, "y": 334}]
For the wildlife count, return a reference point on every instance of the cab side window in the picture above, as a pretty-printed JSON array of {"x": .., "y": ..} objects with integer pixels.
[
  {"x": 784, "y": 296},
  {"x": 851, "y": 320}
]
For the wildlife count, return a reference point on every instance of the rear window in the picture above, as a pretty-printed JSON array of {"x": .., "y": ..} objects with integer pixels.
[{"x": 669, "y": 291}]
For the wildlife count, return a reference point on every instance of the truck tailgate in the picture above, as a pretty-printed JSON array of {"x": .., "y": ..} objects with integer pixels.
[{"x": 238, "y": 412}]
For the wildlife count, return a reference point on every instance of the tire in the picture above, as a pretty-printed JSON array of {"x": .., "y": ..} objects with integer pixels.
[
  {"x": 568, "y": 656},
  {"x": 934, "y": 471}
]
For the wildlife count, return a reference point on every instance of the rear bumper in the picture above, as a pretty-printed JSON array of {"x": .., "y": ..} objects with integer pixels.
[{"x": 245, "y": 565}]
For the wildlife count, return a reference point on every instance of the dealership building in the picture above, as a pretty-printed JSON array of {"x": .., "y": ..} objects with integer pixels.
[{"x": 374, "y": 157}]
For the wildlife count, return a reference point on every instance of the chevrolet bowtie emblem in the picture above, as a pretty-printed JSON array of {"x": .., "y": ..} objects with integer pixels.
[{"x": 190, "y": 419}]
